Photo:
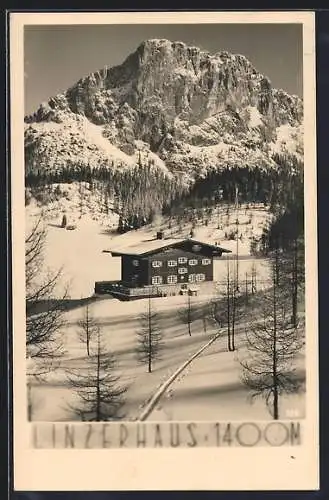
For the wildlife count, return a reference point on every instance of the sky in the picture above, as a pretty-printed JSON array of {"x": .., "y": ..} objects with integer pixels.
[{"x": 57, "y": 56}]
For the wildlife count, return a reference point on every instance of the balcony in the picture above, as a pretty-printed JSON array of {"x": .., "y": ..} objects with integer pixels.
[{"x": 124, "y": 291}]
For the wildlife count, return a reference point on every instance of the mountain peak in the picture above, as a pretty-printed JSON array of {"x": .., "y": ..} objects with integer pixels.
[
  {"x": 157, "y": 42},
  {"x": 187, "y": 106}
]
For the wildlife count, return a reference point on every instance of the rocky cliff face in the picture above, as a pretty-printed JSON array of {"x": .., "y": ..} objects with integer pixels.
[{"x": 191, "y": 109}]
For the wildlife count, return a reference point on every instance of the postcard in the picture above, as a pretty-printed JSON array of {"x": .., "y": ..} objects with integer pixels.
[{"x": 164, "y": 251}]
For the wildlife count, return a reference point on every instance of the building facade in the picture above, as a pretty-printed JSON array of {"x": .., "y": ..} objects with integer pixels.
[{"x": 165, "y": 263}]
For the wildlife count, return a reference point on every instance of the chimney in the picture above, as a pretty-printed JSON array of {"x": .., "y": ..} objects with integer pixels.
[{"x": 160, "y": 235}]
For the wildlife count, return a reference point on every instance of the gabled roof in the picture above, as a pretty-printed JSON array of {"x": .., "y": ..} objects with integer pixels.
[{"x": 154, "y": 246}]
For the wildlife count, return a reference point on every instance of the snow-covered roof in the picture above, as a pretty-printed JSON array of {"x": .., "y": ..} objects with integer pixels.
[
  {"x": 152, "y": 246},
  {"x": 147, "y": 246}
]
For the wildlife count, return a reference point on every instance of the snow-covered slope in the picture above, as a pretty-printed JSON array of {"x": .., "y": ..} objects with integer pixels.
[
  {"x": 52, "y": 146},
  {"x": 210, "y": 389},
  {"x": 76, "y": 200},
  {"x": 80, "y": 251}
]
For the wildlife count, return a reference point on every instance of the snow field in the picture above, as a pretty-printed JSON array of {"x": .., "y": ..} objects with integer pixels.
[
  {"x": 119, "y": 322},
  {"x": 164, "y": 387},
  {"x": 209, "y": 388}
]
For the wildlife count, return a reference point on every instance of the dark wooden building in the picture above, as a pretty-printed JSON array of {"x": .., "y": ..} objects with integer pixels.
[{"x": 155, "y": 265}]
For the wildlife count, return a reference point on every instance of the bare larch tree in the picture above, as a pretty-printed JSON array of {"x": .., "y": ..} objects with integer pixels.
[
  {"x": 100, "y": 396},
  {"x": 253, "y": 278},
  {"x": 44, "y": 311},
  {"x": 149, "y": 337},
  {"x": 87, "y": 327},
  {"x": 273, "y": 343},
  {"x": 225, "y": 309},
  {"x": 295, "y": 274},
  {"x": 187, "y": 313}
]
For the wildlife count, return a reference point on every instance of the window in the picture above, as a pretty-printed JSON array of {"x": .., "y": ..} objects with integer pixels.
[
  {"x": 200, "y": 277},
  {"x": 191, "y": 278},
  {"x": 172, "y": 279},
  {"x": 156, "y": 280},
  {"x": 172, "y": 263},
  {"x": 182, "y": 270},
  {"x": 182, "y": 260},
  {"x": 156, "y": 263},
  {"x": 206, "y": 262},
  {"x": 193, "y": 262}
]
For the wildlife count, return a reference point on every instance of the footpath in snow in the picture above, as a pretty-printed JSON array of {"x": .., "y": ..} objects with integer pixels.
[
  {"x": 210, "y": 389},
  {"x": 154, "y": 400}
]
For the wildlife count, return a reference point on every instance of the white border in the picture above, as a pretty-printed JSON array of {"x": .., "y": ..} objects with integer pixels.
[{"x": 164, "y": 469}]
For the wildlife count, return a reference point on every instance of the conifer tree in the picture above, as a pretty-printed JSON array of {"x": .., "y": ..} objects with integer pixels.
[
  {"x": 99, "y": 393},
  {"x": 187, "y": 313},
  {"x": 149, "y": 337},
  {"x": 87, "y": 328},
  {"x": 273, "y": 343}
]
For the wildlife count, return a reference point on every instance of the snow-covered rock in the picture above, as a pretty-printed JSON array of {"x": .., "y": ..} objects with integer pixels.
[{"x": 192, "y": 111}]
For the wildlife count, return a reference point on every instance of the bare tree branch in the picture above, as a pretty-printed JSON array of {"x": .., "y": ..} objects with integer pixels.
[
  {"x": 273, "y": 343},
  {"x": 149, "y": 337},
  {"x": 44, "y": 311},
  {"x": 100, "y": 395}
]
